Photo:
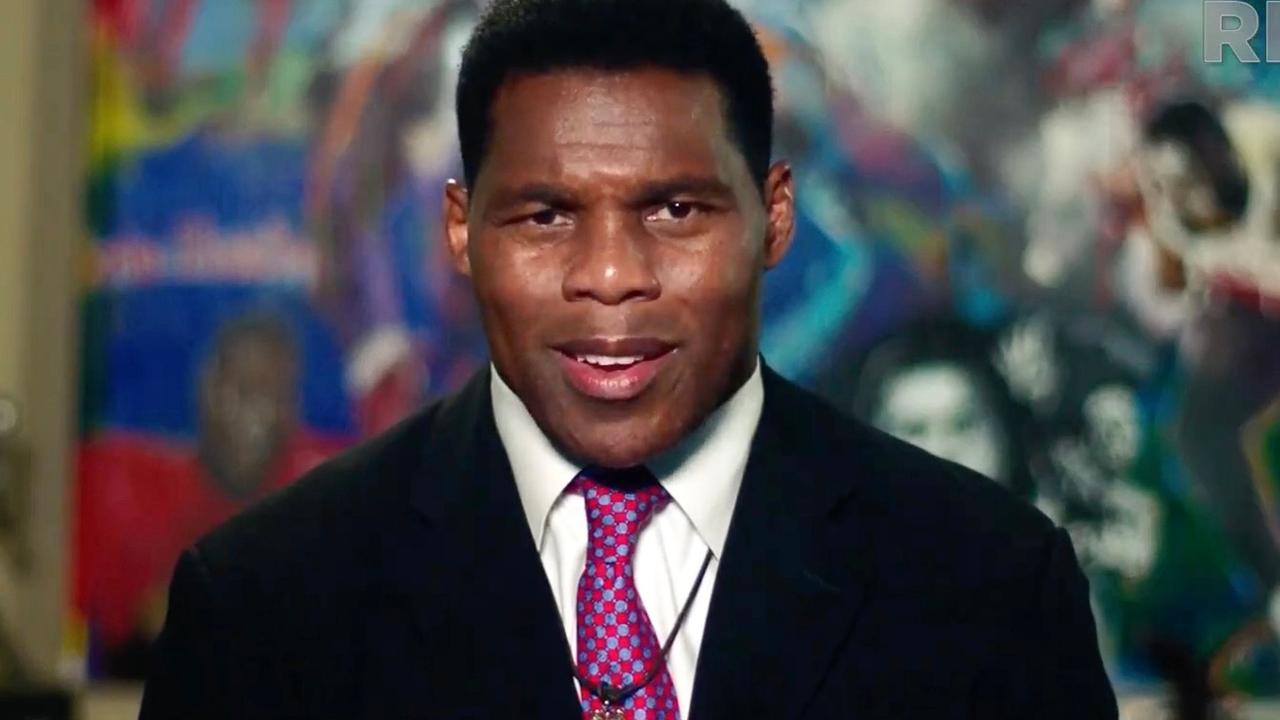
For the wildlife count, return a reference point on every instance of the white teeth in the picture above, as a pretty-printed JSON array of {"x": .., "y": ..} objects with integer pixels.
[{"x": 609, "y": 360}]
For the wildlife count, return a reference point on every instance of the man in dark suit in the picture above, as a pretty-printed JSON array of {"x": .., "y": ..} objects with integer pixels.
[{"x": 628, "y": 515}]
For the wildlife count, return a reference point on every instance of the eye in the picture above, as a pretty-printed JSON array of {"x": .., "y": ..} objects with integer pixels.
[
  {"x": 674, "y": 212},
  {"x": 548, "y": 218}
]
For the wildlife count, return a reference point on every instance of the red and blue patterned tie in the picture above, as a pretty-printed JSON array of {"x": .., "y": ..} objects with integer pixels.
[{"x": 617, "y": 645}]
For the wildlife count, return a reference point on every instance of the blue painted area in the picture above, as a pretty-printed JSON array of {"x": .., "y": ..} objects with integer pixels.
[
  {"x": 232, "y": 182},
  {"x": 159, "y": 337}
]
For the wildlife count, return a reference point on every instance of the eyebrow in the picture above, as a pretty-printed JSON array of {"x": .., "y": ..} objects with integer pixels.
[
  {"x": 542, "y": 193},
  {"x": 647, "y": 193},
  {"x": 705, "y": 186}
]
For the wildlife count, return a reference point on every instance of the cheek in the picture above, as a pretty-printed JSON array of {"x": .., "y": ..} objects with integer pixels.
[
  {"x": 515, "y": 286},
  {"x": 717, "y": 286},
  {"x": 725, "y": 262}
]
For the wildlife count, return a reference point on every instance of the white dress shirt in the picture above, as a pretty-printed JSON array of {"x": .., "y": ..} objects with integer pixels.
[{"x": 702, "y": 475}]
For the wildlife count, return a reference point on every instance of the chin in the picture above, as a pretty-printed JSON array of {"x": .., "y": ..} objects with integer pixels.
[
  {"x": 624, "y": 449},
  {"x": 610, "y": 454}
]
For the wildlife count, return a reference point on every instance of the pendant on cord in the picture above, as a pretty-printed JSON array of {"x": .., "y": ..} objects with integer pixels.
[{"x": 610, "y": 696}]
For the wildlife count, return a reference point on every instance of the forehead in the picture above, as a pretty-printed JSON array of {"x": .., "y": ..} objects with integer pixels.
[
  {"x": 1168, "y": 157},
  {"x": 253, "y": 352},
  {"x": 931, "y": 385},
  {"x": 593, "y": 124}
]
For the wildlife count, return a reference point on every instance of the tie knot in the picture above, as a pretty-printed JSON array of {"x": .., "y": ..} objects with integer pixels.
[{"x": 619, "y": 503}]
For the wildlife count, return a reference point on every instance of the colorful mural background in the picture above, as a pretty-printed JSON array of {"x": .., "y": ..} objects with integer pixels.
[{"x": 1022, "y": 245}]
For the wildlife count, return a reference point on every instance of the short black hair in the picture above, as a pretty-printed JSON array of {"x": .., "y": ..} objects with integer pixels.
[
  {"x": 689, "y": 36},
  {"x": 1196, "y": 127},
  {"x": 256, "y": 326}
]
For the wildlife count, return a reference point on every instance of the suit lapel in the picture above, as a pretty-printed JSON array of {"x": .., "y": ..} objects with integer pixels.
[
  {"x": 793, "y": 576},
  {"x": 491, "y": 581},
  {"x": 514, "y": 592}
]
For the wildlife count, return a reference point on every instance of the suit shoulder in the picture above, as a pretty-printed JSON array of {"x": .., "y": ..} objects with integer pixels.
[
  {"x": 925, "y": 485},
  {"x": 908, "y": 481},
  {"x": 922, "y": 505}
]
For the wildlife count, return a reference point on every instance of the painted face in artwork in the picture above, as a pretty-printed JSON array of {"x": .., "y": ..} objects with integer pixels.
[
  {"x": 942, "y": 408},
  {"x": 247, "y": 408}
]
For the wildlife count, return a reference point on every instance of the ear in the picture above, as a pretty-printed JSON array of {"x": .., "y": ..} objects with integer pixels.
[
  {"x": 780, "y": 207},
  {"x": 456, "y": 207}
]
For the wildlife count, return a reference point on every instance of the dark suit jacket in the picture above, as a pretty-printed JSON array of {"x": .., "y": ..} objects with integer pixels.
[{"x": 861, "y": 579}]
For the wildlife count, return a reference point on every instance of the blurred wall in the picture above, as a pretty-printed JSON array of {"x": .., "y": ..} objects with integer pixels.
[{"x": 41, "y": 131}]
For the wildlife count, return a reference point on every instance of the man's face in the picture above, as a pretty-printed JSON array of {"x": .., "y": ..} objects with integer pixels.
[
  {"x": 247, "y": 411},
  {"x": 1173, "y": 173},
  {"x": 1113, "y": 425},
  {"x": 617, "y": 242}
]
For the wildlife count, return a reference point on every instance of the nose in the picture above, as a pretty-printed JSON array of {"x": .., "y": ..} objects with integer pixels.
[{"x": 611, "y": 262}]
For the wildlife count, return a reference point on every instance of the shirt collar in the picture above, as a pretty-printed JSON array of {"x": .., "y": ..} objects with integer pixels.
[{"x": 702, "y": 473}]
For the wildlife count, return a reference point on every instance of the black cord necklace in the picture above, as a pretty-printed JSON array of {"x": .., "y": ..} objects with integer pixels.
[{"x": 610, "y": 695}]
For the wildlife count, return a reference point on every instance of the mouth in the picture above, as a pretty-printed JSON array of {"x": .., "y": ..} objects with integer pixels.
[{"x": 613, "y": 369}]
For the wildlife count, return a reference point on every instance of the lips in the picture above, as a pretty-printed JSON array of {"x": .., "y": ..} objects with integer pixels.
[{"x": 613, "y": 369}]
